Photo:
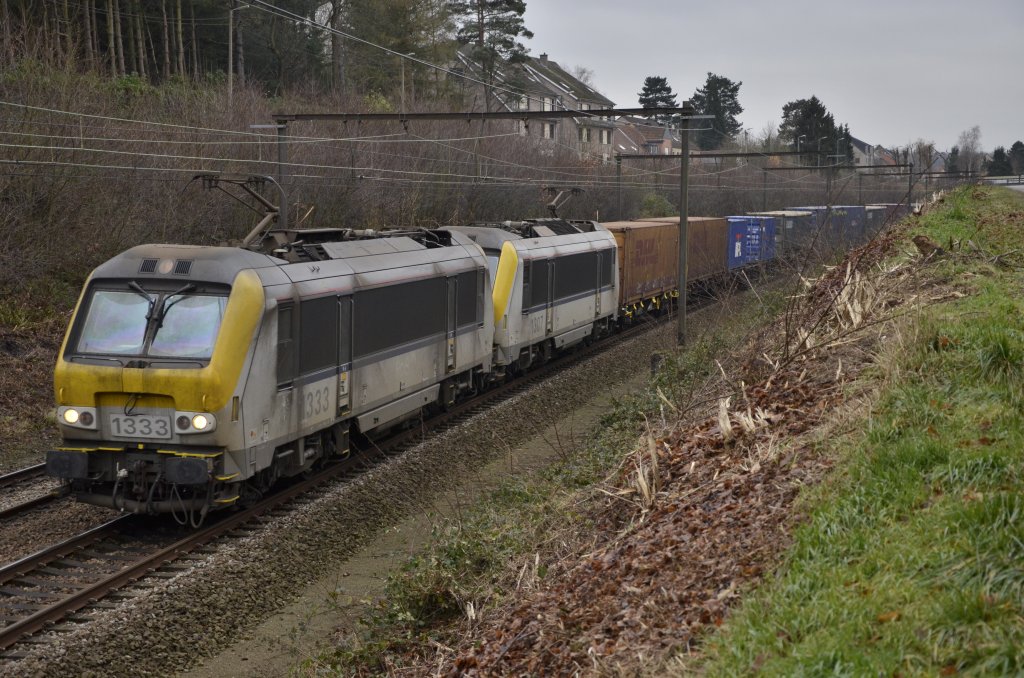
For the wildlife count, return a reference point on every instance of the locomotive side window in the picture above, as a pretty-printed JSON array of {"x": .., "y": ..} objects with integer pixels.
[
  {"x": 285, "y": 347},
  {"x": 575, "y": 274},
  {"x": 318, "y": 336},
  {"x": 344, "y": 330},
  {"x": 607, "y": 267},
  {"x": 469, "y": 306},
  {"x": 387, "y": 317},
  {"x": 538, "y": 296}
]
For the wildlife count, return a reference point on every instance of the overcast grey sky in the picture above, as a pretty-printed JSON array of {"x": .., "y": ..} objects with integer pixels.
[{"x": 894, "y": 70}]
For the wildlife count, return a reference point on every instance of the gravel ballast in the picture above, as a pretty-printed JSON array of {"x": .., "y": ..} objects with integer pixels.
[{"x": 170, "y": 623}]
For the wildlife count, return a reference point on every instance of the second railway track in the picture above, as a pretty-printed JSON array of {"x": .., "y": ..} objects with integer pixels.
[{"x": 21, "y": 482}]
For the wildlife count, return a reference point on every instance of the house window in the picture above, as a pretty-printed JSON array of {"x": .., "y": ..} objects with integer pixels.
[
  {"x": 524, "y": 103},
  {"x": 585, "y": 134},
  {"x": 584, "y": 107},
  {"x": 547, "y": 130},
  {"x": 547, "y": 104},
  {"x": 606, "y": 137}
]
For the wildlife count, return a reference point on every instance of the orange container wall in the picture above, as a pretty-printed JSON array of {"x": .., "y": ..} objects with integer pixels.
[
  {"x": 707, "y": 246},
  {"x": 648, "y": 258}
]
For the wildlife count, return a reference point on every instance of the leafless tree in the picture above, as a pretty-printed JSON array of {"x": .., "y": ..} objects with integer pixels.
[{"x": 971, "y": 155}]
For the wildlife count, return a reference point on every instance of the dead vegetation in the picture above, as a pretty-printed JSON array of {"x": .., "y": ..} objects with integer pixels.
[{"x": 698, "y": 513}]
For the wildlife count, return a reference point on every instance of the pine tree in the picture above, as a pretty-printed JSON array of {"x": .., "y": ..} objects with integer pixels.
[
  {"x": 719, "y": 98},
  {"x": 491, "y": 30},
  {"x": 810, "y": 123},
  {"x": 999, "y": 165},
  {"x": 656, "y": 93},
  {"x": 1017, "y": 157},
  {"x": 953, "y": 160}
]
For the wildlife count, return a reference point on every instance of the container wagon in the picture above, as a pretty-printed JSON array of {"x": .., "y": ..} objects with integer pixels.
[
  {"x": 708, "y": 239},
  {"x": 794, "y": 230}
]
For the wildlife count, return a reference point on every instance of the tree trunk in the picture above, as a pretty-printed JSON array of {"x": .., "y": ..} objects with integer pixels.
[
  {"x": 96, "y": 53},
  {"x": 89, "y": 54},
  {"x": 140, "y": 40},
  {"x": 278, "y": 61},
  {"x": 180, "y": 29},
  {"x": 132, "y": 55},
  {"x": 118, "y": 37},
  {"x": 46, "y": 34},
  {"x": 153, "y": 69},
  {"x": 167, "y": 41},
  {"x": 195, "y": 43},
  {"x": 68, "y": 42},
  {"x": 111, "y": 50},
  {"x": 240, "y": 52},
  {"x": 480, "y": 23}
]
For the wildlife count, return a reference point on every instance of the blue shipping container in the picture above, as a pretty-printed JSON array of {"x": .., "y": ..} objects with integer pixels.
[
  {"x": 767, "y": 237},
  {"x": 737, "y": 241},
  {"x": 759, "y": 239},
  {"x": 793, "y": 230},
  {"x": 855, "y": 226}
]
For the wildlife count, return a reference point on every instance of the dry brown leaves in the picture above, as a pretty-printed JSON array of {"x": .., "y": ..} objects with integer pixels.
[
  {"x": 654, "y": 585},
  {"x": 694, "y": 517}
]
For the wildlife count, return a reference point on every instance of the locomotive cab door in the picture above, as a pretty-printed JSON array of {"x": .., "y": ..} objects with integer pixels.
[
  {"x": 450, "y": 325},
  {"x": 344, "y": 356},
  {"x": 597, "y": 283}
]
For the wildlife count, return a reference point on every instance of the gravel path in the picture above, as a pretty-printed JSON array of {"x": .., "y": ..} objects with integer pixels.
[{"x": 174, "y": 621}]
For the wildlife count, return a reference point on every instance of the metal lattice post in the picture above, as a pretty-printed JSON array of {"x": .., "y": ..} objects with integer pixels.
[{"x": 684, "y": 218}]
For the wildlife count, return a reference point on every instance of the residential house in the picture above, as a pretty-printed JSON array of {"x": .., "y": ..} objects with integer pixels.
[
  {"x": 641, "y": 136},
  {"x": 546, "y": 86}
]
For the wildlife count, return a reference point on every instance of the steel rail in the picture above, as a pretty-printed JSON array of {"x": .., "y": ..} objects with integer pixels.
[
  {"x": 35, "y": 502},
  {"x": 22, "y": 474},
  {"x": 34, "y": 623}
]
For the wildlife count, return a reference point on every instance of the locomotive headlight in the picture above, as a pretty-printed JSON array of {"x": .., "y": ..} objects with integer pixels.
[
  {"x": 194, "y": 422},
  {"x": 77, "y": 417}
]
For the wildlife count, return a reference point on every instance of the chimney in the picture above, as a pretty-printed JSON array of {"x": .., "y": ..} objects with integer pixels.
[{"x": 544, "y": 57}]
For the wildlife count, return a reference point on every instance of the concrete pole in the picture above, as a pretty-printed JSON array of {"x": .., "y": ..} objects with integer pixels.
[
  {"x": 618, "y": 185},
  {"x": 764, "y": 190},
  {"x": 684, "y": 217}
]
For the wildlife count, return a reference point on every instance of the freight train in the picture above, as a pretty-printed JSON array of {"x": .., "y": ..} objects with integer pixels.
[{"x": 193, "y": 378}]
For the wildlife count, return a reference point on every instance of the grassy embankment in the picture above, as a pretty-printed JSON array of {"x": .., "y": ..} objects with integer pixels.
[{"x": 910, "y": 561}]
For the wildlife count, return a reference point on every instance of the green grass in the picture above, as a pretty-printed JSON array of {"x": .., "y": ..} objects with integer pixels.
[{"x": 912, "y": 557}]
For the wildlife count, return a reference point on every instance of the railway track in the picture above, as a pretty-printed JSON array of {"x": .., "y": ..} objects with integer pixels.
[
  {"x": 67, "y": 584},
  {"x": 21, "y": 480}
]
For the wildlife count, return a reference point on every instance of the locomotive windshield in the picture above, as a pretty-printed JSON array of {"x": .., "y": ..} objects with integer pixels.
[{"x": 151, "y": 324}]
